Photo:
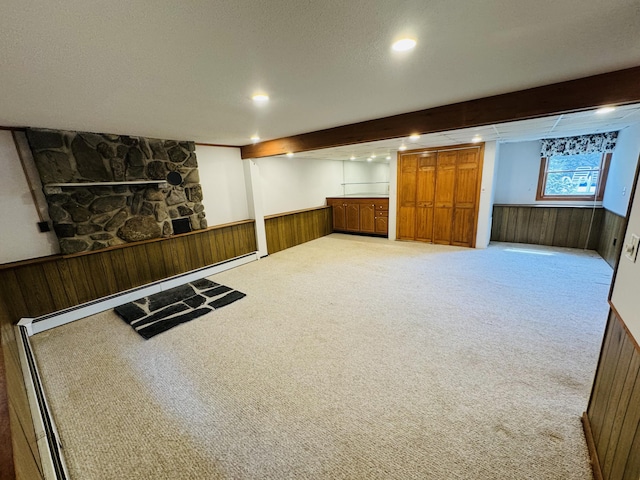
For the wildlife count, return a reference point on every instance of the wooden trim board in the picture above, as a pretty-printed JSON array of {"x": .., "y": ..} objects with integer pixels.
[
  {"x": 591, "y": 445},
  {"x": 294, "y": 212},
  {"x": 613, "y": 88}
]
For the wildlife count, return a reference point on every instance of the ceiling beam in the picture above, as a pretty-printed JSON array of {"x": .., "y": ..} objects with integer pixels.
[{"x": 614, "y": 88}]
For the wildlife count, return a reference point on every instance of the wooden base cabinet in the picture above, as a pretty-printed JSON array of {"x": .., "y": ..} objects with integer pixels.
[
  {"x": 368, "y": 215},
  {"x": 438, "y": 194}
]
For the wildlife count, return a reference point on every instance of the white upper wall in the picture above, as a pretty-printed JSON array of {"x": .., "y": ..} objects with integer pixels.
[
  {"x": 223, "y": 184},
  {"x": 487, "y": 194},
  {"x": 290, "y": 184},
  {"x": 518, "y": 170},
  {"x": 625, "y": 296},
  {"x": 622, "y": 171},
  {"x": 20, "y": 237},
  {"x": 358, "y": 174}
]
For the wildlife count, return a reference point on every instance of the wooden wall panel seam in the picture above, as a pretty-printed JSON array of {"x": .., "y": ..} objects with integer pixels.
[{"x": 593, "y": 452}]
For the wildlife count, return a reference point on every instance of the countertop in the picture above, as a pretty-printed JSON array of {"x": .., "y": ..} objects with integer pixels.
[{"x": 362, "y": 195}]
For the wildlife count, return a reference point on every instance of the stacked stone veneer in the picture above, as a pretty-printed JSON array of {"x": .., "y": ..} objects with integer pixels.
[{"x": 95, "y": 217}]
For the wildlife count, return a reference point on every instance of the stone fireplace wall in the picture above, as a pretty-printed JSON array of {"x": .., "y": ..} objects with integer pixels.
[{"x": 93, "y": 217}]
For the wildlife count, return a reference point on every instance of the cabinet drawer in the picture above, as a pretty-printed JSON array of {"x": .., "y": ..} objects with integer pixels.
[
  {"x": 382, "y": 213},
  {"x": 382, "y": 206}
]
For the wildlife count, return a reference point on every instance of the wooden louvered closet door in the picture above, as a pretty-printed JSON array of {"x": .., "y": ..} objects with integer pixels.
[
  {"x": 407, "y": 169},
  {"x": 465, "y": 198},
  {"x": 445, "y": 185},
  {"x": 438, "y": 195},
  {"x": 425, "y": 196}
]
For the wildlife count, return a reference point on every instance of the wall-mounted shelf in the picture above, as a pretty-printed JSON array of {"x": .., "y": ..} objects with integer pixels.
[
  {"x": 345, "y": 186},
  {"x": 52, "y": 188},
  {"x": 362, "y": 183}
]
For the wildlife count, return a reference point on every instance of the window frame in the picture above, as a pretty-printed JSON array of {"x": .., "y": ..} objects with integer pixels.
[{"x": 597, "y": 196}]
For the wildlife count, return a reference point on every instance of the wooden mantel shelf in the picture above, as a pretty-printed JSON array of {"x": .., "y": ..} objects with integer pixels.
[{"x": 51, "y": 188}]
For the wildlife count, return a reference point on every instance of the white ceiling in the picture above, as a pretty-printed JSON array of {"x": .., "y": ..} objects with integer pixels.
[
  {"x": 187, "y": 69},
  {"x": 554, "y": 126}
]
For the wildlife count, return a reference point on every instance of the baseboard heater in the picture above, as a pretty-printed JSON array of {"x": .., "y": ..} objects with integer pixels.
[
  {"x": 49, "y": 446},
  {"x": 47, "y": 440}
]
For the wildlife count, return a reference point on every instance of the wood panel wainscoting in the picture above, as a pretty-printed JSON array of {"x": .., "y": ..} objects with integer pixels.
[
  {"x": 611, "y": 236},
  {"x": 286, "y": 230},
  {"x": 573, "y": 227},
  {"x": 612, "y": 419},
  {"x": 44, "y": 285},
  {"x": 439, "y": 194}
]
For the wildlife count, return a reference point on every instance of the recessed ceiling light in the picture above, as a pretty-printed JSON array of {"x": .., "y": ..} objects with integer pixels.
[
  {"x": 373, "y": 155},
  {"x": 603, "y": 110},
  {"x": 369, "y": 159},
  {"x": 402, "y": 148},
  {"x": 413, "y": 137},
  {"x": 476, "y": 139},
  {"x": 388, "y": 157},
  {"x": 290, "y": 154},
  {"x": 255, "y": 138},
  {"x": 260, "y": 98},
  {"x": 352, "y": 157},
  {"x": 403, "y": 44}
]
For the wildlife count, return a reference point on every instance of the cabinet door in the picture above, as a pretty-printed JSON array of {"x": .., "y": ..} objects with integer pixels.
[
  {"x": 339, "y": 216},
  {"x": 407, "y": 176},
  {"x": 425, "y": 196},
  {"x": 367, "y": 218},
  {"x": 382, "y": 223},
  {"x": 353, "y": 217},
  {"x": 444, "y": 196}
]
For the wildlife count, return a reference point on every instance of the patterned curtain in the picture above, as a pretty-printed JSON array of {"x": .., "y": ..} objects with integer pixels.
[{"x": 598, "y": 142}]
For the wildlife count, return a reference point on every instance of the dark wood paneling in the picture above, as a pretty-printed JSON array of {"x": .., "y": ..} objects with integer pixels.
[
  {"x": 618, "y": 87},
  {"x": 614, "y": 408},
  {"x": 574, "y": 227},
  {"x": 289, "y": 229},
  {"x": 59, "y": 282},
  {"x": 7, "y": 471},
  {"x": 44, "y": 285},
  {"x": 611, "y": 236}
]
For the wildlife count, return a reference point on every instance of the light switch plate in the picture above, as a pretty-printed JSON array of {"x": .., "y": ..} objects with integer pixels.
[{"x": 631, "y": 248}]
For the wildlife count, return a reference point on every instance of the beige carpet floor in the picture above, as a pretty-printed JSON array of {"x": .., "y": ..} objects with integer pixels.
[{"x": 350, "y": 358}]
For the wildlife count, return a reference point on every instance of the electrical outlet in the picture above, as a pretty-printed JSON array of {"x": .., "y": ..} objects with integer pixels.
[{"x": 631, "y": 248}]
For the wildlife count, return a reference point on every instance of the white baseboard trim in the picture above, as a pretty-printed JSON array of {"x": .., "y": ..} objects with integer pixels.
[
  {"x": 47, "y": 438},
  {"x": 62, "y": 317}
]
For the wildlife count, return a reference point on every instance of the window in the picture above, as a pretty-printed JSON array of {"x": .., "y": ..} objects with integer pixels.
[{"x": 573, "y": 177}]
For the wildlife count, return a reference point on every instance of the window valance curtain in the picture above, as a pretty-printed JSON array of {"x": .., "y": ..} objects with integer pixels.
[{"x": 598, "y": 142}]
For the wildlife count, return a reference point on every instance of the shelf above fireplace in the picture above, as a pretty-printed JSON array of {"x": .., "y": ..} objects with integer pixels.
[{"x": 52, "y": 188}]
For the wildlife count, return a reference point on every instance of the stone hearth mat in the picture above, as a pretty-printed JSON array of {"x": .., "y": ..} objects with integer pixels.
[{"x": 157, "y": 313}]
